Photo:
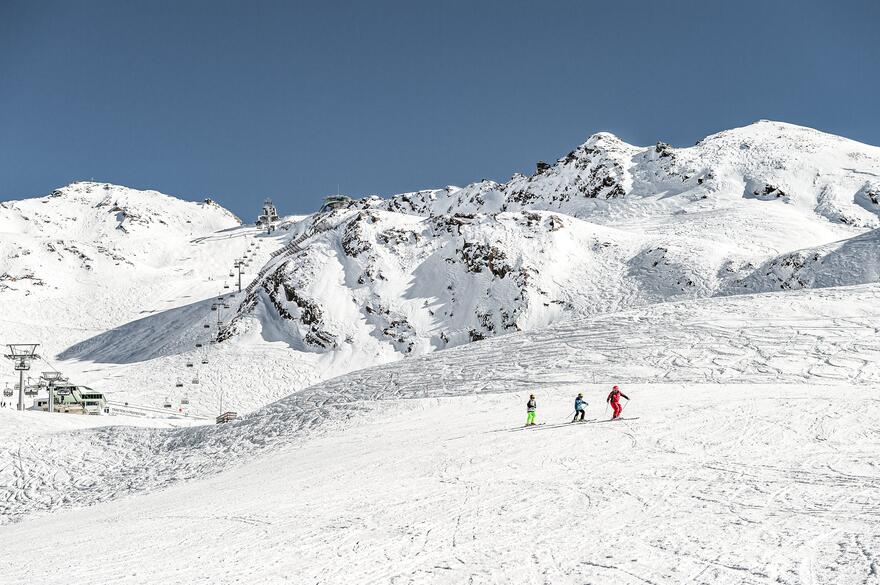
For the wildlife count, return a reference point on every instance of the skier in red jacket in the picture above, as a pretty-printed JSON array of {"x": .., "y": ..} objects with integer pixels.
[{"x": 614, "y": 400}]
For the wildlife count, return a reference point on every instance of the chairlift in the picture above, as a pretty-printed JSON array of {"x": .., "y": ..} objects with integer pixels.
[
  {"x": 204, "y": 360},
  {"x": 189, "y": 364},
  {"x": 167, "y": 403},
  {"x": 231, "y": 274},
  {"x": 225, "y": 285},
  {"x": 185, "y": 399},
  {"x": 7, "y": 392},
  {"x": 179, "y": 383},
  {"x": 194, "y": 381}
]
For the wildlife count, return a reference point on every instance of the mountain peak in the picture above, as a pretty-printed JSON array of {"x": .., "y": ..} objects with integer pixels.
[{"x": 604, "y": 139}]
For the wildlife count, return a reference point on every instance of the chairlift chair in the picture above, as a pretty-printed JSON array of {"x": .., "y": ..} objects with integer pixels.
[
  {"x": 204, "y": 360},
  {"x": 167, "y": 403},
  {"x": 7, "y": 392},
  {"x": 185, "y": 399},
  {"x": 225, "y": 285},
  {"x": 189, "y": 364},
  {"x": 231, "y": 274},
  {"x": 198, "y": 345},
  {"x": 213, "y": 307},
  {"x": 179, "y": 383}
]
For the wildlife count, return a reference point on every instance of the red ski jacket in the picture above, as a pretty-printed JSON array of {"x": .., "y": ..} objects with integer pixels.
[{"x": 615, "y": 395}]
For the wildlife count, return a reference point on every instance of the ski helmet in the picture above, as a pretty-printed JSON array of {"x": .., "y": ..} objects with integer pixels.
[
  {"x": 616, "y": 388},
  {"x": 580, "y": 394}
]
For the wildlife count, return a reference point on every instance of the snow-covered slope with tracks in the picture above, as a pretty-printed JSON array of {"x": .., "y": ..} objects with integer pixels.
[{"x": 752, "y": 457}]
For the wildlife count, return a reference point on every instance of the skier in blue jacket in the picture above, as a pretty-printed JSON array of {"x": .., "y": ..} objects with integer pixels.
[{"x": 580, "y": 407}]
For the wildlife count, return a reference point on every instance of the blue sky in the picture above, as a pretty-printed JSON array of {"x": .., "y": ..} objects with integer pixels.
[{"x": 244, "y": 100}]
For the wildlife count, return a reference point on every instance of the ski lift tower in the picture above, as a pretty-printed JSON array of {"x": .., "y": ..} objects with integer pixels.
[
  {"x": 238, "y": 264},
  {"x": 51, "y": 378},
  {"x": 22, "y": 354}
]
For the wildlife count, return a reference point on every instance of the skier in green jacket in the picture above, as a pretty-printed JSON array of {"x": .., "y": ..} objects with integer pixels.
[{"x": 531, "y": 407}]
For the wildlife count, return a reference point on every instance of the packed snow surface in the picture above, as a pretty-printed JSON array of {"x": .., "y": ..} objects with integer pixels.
[
  {"x": 711, "y": 484},
  {"x": 753, "y": 457}
]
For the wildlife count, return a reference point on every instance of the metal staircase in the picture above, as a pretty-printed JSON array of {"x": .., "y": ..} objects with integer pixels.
[{"x": 291, "y": 247}]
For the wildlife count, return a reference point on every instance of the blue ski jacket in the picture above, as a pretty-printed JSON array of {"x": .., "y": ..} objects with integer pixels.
[{"x": 580, "y": 404}]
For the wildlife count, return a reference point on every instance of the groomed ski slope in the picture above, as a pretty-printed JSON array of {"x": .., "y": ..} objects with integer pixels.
[
  {"x": 753, "y": 460},
  {"x": 712, "y": 484}
]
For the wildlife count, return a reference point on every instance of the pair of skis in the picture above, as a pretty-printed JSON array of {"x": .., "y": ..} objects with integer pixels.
[{"x": 588, "y": 421}]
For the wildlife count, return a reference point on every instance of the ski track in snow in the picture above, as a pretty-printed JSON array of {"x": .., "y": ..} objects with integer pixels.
[
  {"x": 738, "y": 340},
  {"x": 713, "y": 484}
]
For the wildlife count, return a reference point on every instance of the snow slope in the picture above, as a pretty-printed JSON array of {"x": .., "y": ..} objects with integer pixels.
[
  {"x": 752, "y": 460},
  {"x": 800, "y": 337},
  {"x": 116, "y": 285},
  {"x": 852, "y": 261}
]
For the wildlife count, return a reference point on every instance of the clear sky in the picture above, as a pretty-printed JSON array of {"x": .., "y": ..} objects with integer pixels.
[{"x": 243, "y": 100}]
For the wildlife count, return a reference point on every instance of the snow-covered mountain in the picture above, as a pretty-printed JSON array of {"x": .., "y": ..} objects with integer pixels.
[
  {"x": 747, "y": 451},
  {"x": 607, "y": 227},
  {"x": 94, "y": 260},
  {"x": 118, "y": 284},
  {"x": 94, "y": 256}
]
